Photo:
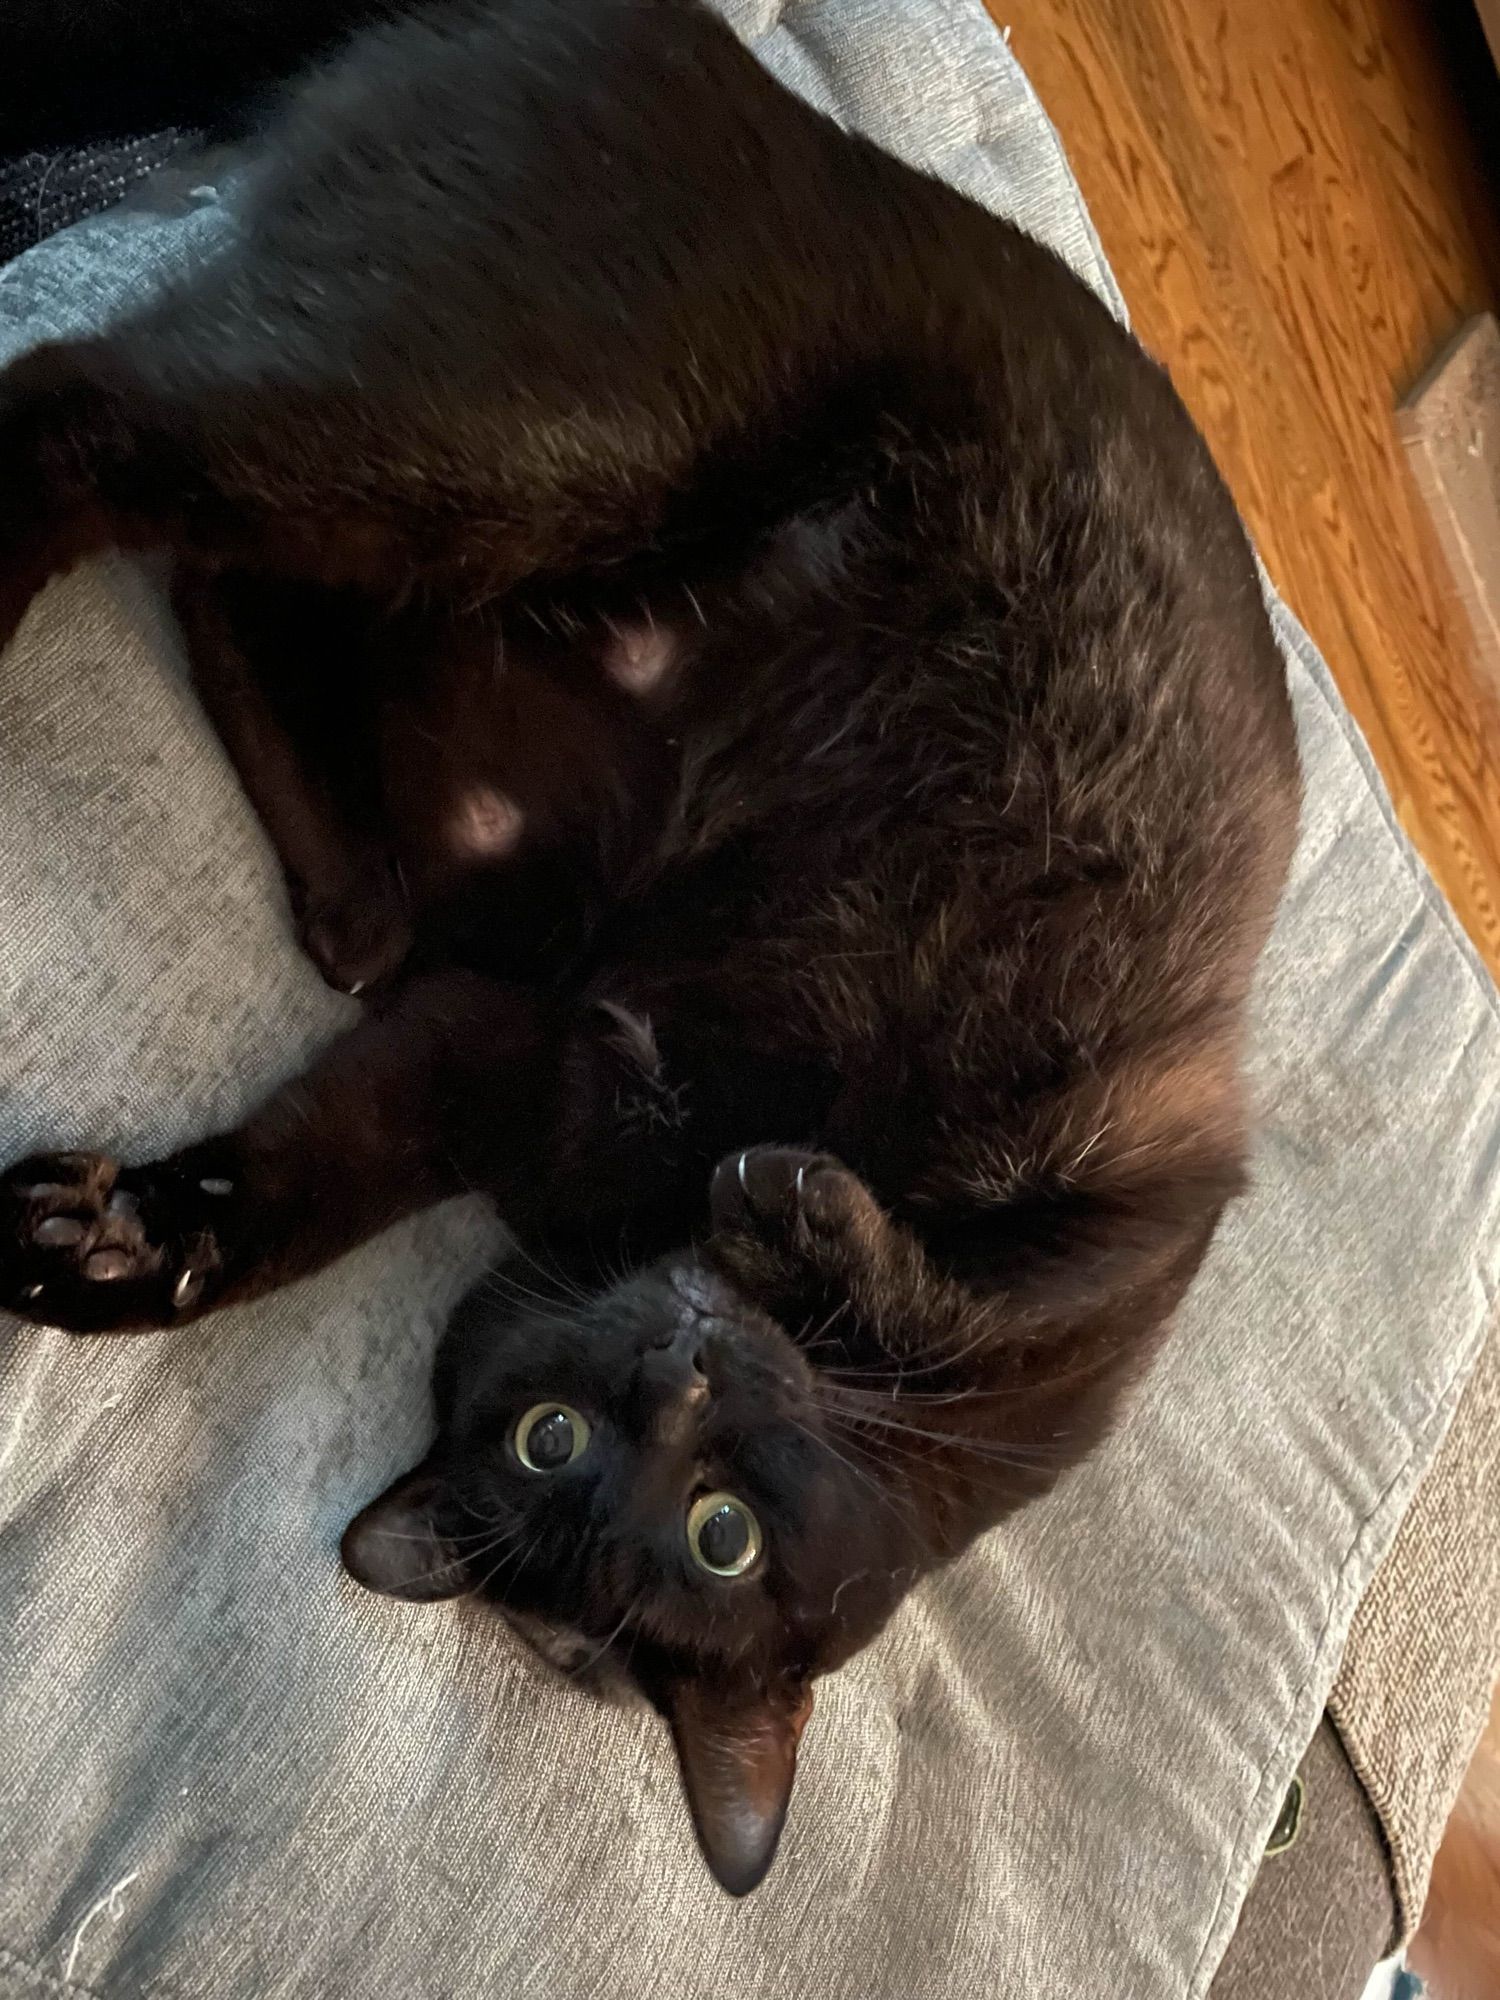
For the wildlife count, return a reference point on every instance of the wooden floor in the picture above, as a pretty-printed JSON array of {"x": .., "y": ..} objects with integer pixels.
[{"x": 1295, "y": 205}]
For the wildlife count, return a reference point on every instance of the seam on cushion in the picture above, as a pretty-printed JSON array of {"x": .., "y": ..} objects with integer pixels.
[
  {"x": 1437, "y": 1423},
  {"x": 1399, "y": 1917},
  {"x": 1394, "y": 1941},
  {"x": 989, "y": 55},
  {"x": 1410, "y": 1879},
  {"x": 814, "y": 58},
  {"x": 1104, "y": 281},
  {"x": 1301, "y": 643},
  {"x": 1405, "y": 1919}
]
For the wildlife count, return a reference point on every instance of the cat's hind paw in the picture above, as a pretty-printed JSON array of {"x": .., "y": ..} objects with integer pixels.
[{"x": 357, "y": 937}]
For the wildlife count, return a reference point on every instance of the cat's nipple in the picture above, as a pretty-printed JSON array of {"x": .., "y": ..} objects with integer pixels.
[
  {"x": 485, "y": 824},
  {"x": 638, "y": 658}
]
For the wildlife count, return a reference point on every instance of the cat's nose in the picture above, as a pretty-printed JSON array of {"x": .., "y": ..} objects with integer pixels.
[
  {"x": 675, "y": 1387},
  {"x": 675, "y": 1356}
]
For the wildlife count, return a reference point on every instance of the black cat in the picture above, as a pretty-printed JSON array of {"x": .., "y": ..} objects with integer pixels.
[{"x": 757, "y": 675}]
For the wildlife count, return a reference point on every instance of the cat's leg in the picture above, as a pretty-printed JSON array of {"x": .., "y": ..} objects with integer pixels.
[
  {"x": 444, "y": 351},
  {"x": 1005, "y": 1339},
  {"x": 92, "y": 457},
  {"x": 983, "y": 1375},
  {"x": 311, "y": 777},
  {"x": 804, "y": 1231},
  {"x": 86, "y": 463},
  {"x": 44, "y": 529},
  {"x": 449, "y": 1086},
  {"x": 809, "y": 1235}
]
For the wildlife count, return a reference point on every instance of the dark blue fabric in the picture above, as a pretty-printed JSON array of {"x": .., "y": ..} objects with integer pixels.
[{"x": 41, "y": 193}]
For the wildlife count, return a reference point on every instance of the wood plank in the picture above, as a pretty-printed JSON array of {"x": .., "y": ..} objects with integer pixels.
[
  {"x": 1299, "y": 221},
  {"x": 1450, "y": 427}
]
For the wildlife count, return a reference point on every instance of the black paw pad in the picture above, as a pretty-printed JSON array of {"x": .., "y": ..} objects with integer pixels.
[{"x": 93, "y": 1247}]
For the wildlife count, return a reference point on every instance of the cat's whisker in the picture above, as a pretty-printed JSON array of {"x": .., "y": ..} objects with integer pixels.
[
  {"x": 899, "y": 1375},
  {"x": 877, "y": 1416},
  {"x": 943, "y": 1358},
  {"x": 439, "y": 1568},
  {"x": 892, "y": 1389},
  {"x": 513, "y": 1560},
  {"x": 902, "y": 1462},
  {"x": 914, "y": 1465},
  {"x": 460, "y": 1542},
  {"x": 1018, "y": 1456},
  {"x": 882, "y": 1493},
  {"x": 487, "y": 1522},
  {"x": 857, "y": 1434},
  {"x": 895, "y": 1367},
  {"x": 824, "y": 1444},
  {"x": 862, "y": 1451},
  {"x": 821, "y": 1334},
  {"x": 498, "y": 1541},
  {"x": 505, "y": 1284},
  {"x": 546, "y": 1311},
  {"x": 558, "y": 1286},
  {"x": 582, "y": 1666},
  {"x": 553, "y": 1273}
]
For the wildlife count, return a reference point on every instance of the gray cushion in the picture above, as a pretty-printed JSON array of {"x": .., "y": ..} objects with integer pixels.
[{"x": 234, "y": 1775}]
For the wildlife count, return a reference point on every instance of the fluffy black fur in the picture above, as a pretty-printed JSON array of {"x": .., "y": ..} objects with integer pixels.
[{"x": 756, "y": 673}]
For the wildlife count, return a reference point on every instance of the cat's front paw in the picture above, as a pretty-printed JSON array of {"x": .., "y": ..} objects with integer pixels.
[
  {"x": 780, "y": 1193},
  {"x": 94, "y": 1247}
]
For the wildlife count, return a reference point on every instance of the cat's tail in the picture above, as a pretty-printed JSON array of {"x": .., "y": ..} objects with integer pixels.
[{"x": 80, "y": 70}]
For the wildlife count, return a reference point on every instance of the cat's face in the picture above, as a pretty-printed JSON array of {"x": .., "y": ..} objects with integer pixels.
[{"x": 647, "y": 1477}]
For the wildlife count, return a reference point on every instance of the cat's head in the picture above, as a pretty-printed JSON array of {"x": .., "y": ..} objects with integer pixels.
[
  {"x": 716, "y": 1478},
  {"x": 650, "y": 1477}
]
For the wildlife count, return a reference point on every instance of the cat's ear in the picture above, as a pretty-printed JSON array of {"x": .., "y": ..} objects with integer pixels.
[
  {"x": 396, "y": 1547},
  {"x": 737, "y": 1748}
]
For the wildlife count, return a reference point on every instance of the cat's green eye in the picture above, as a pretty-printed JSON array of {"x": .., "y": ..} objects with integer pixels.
[
  {"x": 550, "y": 1436},
  {"x": 723, "y": 1535}
]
